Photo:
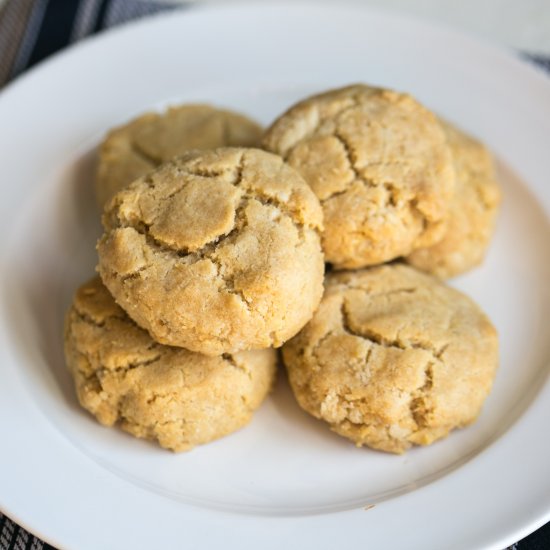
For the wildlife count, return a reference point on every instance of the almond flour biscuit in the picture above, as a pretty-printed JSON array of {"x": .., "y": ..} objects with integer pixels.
[
  {"x": 393, "y": 358},
  {"x": 172, "y": 395},
  {"x": 378, "y": 162},
  {"x": 130, "y": 151},
  {"x": 216, "y": 251},
  {"x": 472, "y": 214}
]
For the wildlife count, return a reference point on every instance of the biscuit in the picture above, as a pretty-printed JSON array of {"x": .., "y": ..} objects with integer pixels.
[
  {"x": 473, "y": 211},
  {"x": 130, "y": 151},
  {"x": 378, "y": 162},
  {"x": 157, "y": 392},
  {"x": 393, "y": 358},
  {"x": 216, "y": 251}
]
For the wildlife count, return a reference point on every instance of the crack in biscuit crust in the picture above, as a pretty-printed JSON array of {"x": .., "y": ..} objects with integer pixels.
[
  {"x": 384, "y": 187},
  {"x": 172, "y": 395},
  {"x": 132, "y": 150},
  {"x": 473, "y": 210},
  {"x": 393, "y": 358},
  {"x": 216, "y": 252}
]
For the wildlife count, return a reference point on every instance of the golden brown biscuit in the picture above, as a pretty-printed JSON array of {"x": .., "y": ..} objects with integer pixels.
[
  {"x": 130, "y": 151},
  {"x": 172, "y": 395},
  {"x": 216, "y": 251},
  {"x": 378, "y": 162},
  {"x": 473, "y": 211},
  {"x": 392, "y": 358}
]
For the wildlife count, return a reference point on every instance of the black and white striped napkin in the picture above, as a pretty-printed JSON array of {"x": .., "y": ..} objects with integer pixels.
[{"x": 31, "y": 30}]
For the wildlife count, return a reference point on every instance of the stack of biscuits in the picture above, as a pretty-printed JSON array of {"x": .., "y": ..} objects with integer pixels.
[{"x": 216, "y": 240}]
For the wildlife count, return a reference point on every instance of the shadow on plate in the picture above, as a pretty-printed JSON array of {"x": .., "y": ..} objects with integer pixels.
[{"x": 60, "y": 228}]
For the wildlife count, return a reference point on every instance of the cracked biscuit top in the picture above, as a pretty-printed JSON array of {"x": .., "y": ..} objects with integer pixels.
[
  {"x": 472, "y": 214},
  {"x": 216, "y": 251},
  {"x": 172, "y": 395},
  {"x": 130, "y": 151},
  {"x": 392, "y": 358},
  {"x": 378, "y": 162}
]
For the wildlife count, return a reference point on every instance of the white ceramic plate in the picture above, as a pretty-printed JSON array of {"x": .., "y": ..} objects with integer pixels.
[{"x": 284, "y": 481}]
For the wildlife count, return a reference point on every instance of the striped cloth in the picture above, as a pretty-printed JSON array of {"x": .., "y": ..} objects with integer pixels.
[{"x": 31, "y": 30}]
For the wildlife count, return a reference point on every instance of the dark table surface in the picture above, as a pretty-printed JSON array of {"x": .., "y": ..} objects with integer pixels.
[{"x": 31, "y": 30}]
